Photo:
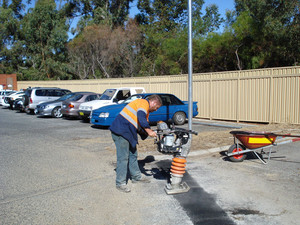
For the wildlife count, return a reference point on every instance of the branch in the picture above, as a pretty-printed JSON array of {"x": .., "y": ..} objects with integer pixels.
[
  {"x": 103, "y": 68},
  {"x": 237, "y": 56}
]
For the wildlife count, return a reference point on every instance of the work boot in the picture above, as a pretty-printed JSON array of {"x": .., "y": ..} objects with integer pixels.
[
  {"x": 143, "y": 179},
  {"x": 123, "y": 188}
]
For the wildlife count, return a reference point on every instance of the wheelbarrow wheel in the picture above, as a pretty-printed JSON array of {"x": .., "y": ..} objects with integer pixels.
[{"x": 239, "y": 157}]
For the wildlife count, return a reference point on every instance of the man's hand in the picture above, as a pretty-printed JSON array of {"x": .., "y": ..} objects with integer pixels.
[{"x": 150, "y": 132}]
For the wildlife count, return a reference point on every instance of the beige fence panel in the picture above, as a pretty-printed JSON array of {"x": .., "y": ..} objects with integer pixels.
[
  {"x": 253, "y": 99},
  {"x": 286, "y": 100},
  {"x": 223, "y": 99},
  {"x": 269, "y": 95},
  {"x": 202, "y": 94}
]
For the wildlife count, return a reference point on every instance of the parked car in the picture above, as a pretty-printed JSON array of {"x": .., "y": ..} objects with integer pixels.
[
  {"x": 4, "y": 93},
  {"x": 109, "y": 97},
  {"x": 9, "y": 99},
  {"x": 37, "y": 95},
  {"x": 53, "y": 108},
  {"x": 70, "y": 107},
  {"x": 172, "y": 108},
  {"x": 18, "y": 104}
]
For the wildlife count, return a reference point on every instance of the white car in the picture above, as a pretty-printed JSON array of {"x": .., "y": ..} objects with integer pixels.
[
  {"x": 109, "y": 97},
  {"x": 9, "y": 99},
  {"x": 4, "y": 93}
]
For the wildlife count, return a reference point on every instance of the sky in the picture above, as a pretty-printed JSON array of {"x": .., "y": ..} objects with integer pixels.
[{"x": 222, "y": 4}]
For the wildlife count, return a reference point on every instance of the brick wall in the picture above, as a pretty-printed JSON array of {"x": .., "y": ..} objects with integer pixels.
[{"x": 9, "y": 79}]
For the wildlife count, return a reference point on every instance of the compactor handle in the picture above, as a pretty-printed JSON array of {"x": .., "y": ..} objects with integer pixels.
[{"x": 193, "y": 132}]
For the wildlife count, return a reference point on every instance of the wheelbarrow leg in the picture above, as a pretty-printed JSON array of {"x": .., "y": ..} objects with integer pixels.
[{"x": 261, "y": 158}]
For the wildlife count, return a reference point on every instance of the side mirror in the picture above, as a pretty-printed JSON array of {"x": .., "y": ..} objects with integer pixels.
[{"x": 115, "y": 100}]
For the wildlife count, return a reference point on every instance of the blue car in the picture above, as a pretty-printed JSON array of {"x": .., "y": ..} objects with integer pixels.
[{"x": 172, "y": 108}]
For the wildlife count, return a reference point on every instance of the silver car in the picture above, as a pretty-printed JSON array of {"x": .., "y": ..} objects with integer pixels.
[
  {"x": 52, "y": 108},
  {"x": 70, "y": 107},
  {"x": 37, "y": 95}
]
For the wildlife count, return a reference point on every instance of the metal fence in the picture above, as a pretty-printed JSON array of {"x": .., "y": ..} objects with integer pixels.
[{"x": 270, "y": 95}]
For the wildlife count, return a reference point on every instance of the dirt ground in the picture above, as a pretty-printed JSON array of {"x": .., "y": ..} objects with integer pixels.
[{"x": 207, "y": 140}]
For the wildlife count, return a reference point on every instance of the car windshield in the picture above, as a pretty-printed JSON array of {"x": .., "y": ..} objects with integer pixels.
[
  {"x": 66, "y": 96},
  {"x": 76, "y": 97},
  {"x": 131, "y": 98},
  {"x": 19, "y": 92},
  {"x": 108, "y": 94},
  {"x": 10, "y": 93}
]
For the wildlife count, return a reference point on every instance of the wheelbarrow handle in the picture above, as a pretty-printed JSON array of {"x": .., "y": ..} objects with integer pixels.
[
  {"x": 287, "y": 135},
  {"x": 263, "y": 134}
]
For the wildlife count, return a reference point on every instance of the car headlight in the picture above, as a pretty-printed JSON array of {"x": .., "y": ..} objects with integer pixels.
[
  {"x": 104, "y": 115},
  {"x": 44, "y": 106}
]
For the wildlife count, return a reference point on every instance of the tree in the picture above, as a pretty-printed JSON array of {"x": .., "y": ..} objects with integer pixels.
[
  {"x": 165, "y": 27},
  {"x": 164, "y": 15},
  {"x": 275, "y": 31},
  {"x": 9, "y": 35},
  {"x": 105, "y": 52},
  {"x": 214, "y": 53},
  {"x": 108, "y": 12},
  {"x": 204, "y": 24},
  {"x": 45, "y": 36}
]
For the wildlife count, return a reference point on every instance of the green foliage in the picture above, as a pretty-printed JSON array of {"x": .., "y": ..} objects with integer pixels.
[
  {"x": 214, "y": 53},
  {"x": 165, "y": 28},
  {"x": 108, "y": 12},
  {"x": 10, "y": 48},
  {"x": 163, "y": 15},
  {"x": 8, "y": 26},
  {"x": 209, "y": 22},
  {"x": 45, "y": 38},
  {"x": 274, "y": 32}
]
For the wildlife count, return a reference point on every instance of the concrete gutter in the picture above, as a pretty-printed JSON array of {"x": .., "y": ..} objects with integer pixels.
[{"x": 221, "y": 123}]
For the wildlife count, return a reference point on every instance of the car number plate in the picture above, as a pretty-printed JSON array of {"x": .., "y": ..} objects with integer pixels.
[{"x": 81, "y": 113}]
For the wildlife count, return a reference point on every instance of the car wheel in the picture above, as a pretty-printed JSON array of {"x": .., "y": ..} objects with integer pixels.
[
  {"x": 179, "y": 118},
  {"x": 56, "y": 112},
  {"x": 29, "y": 111}
]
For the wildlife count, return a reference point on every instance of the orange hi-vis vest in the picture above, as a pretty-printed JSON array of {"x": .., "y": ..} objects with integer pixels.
[{"x": 131, "y": 110}]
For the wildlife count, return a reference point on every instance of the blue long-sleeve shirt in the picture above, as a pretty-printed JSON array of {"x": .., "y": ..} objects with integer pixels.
[{"x": 131, "y": 118}]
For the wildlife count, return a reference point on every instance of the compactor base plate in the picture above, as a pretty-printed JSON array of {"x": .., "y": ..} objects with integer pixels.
[{"x": 181, "y": 188}]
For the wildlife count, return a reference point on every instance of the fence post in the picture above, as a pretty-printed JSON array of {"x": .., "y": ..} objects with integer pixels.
[
  {"x": 271, "y": 99},
  {"x": 238, "y": 99},
  {"x": 210, "y": 97}
]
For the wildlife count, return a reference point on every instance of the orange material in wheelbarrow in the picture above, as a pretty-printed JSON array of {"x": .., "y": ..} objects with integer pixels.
[{"x": 252, "y": 140}]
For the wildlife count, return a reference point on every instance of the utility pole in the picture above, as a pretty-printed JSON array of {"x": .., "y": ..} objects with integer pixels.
[{"x": 190, "y": 67}]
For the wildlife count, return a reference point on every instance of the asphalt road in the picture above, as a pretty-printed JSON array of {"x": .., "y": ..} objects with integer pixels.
[{"x": 58, "y": 171}]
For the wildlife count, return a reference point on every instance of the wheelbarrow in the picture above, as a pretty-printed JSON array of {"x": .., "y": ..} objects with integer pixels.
[{"x": 245, "y": 142}]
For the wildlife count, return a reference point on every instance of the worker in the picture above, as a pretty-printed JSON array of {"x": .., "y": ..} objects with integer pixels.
[{"x": 132, "y": 120}]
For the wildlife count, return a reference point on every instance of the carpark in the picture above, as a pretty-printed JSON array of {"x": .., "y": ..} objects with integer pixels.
[{"x": 60, "y": 171}]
